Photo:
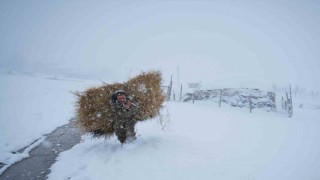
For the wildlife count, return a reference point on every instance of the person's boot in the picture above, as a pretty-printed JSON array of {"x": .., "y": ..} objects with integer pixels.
[
  {"x": 131, "y": 136},
  {"x": 122, "y": 139}
]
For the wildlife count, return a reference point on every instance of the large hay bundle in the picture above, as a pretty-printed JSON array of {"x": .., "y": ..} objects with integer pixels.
[{"x": 94, "y": 110}]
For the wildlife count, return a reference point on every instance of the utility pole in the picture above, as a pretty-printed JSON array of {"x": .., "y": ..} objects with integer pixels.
[
  {"x": 178, "y": 76},
  {"x": 169, "y": 90}
]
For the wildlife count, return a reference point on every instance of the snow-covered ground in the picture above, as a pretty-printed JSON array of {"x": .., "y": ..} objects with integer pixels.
[
  {"x": 217, "y": 44},
  {"x": 203, "y": 141},
  {"x": 30, "y": 107},
  {"x": 199, "y": 141}
]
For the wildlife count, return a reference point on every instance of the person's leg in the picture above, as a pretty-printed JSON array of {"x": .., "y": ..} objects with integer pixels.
[
  {"x": 130, "y": 133},
  {"x": 120, "y": 131}
]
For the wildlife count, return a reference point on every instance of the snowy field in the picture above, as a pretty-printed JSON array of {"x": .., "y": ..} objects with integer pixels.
[
  {"x": 30, "y": 107},
  {"x": 50, "y": 48},
  {"x": 203, "y": 141},
  {"x": 199, "y": 141}
]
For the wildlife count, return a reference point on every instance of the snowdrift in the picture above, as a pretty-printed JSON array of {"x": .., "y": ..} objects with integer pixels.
[{"x": 94, "y": 110}]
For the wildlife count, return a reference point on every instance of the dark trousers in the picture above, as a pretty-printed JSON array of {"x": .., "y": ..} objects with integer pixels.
[{"x": 125, "y": 130}]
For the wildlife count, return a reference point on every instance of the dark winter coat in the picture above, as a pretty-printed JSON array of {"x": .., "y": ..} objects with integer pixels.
[
  {"x": 123, "y": 114},
  {"x": 124, "y": 121}
]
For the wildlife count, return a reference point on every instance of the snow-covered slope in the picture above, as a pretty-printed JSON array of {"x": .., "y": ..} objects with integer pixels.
[
  {"x": 203, "y": 141},
  {"x": 30, "y": 107}
]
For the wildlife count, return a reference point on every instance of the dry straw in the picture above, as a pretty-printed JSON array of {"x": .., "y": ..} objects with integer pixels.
[{"x": 94, "y": 110}]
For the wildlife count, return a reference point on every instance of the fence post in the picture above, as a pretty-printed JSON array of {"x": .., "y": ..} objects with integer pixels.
[
  {"x": 288, "y": 103},
  {"x": 180, "y": 93},
  {"x": 169, "y": 90},
  {"x": 193, "y": 97},
  {"x": 290, "y": 107},
  {"x": 250, "y": 103},
  {"x": 220, "y": 98}
]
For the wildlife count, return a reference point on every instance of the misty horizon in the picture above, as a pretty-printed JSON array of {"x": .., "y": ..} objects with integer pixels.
[{"x": 275, "y": 42}]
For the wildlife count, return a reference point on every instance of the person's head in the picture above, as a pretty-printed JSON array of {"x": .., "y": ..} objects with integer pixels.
[
  {"x": 121, "y": 96},
  {"x": 121, "y": 99}
]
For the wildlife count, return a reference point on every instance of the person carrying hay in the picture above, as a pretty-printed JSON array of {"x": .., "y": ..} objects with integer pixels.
[
  {"x": 123, "y": 112},
  {"x": 108, "y": 110}
]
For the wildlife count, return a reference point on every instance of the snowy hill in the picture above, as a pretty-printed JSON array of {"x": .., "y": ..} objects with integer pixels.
[{"x": 203, "y": 141}]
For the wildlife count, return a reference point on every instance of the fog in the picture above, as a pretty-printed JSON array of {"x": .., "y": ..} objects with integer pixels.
[{"x": 194, "y": 41}]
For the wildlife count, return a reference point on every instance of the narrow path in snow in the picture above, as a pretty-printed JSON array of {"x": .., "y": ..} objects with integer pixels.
[{"x": 43, "y": 156}]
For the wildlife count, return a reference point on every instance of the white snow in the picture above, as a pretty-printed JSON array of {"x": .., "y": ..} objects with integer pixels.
[
  {"x": 219, "y": 44},
  {"x": 30, "y": 107},
  {"x": 203, "y": 142},
  {"x": 191, "y": 141}
]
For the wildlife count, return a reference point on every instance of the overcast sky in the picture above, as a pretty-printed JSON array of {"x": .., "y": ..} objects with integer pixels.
[{"x": 275, "y": 41}]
